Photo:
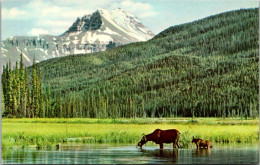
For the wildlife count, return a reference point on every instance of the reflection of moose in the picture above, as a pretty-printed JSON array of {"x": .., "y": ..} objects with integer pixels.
[
  {"x": 201, "y": 143},
  {"x": 166, "y": 153},
  {"x": 201, "y": 152},
  {"x": 162, "y": 136}
]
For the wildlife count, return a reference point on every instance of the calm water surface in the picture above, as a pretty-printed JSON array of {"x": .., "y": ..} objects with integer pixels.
[{"x": 120, "y": 154}]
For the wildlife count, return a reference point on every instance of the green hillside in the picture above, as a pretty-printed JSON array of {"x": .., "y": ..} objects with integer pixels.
[{"x": 204, "y": 68}]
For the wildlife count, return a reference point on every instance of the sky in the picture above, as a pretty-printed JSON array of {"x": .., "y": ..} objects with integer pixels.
[{"x": 33, "y": 17}]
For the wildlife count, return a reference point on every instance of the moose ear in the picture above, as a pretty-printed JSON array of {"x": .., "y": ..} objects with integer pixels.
[
  {"x": 143, "y": 134},
  {"x": 193, "y": 137}
]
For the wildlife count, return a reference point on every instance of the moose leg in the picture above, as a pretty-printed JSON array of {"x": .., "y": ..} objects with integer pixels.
[
  {"x": 174, "y": 145},
  {"x": 161, "y": 145},
  {"x": 178, "y": 144}
]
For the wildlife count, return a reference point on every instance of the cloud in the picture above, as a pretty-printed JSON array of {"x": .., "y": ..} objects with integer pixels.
[
  {"x": 87, "y": 4},
  {"x": 14, "y": 14},
  {"x": 141, "y": 10},
  {"x": 37, "y": 31},
  {"x": 53, "y": 23}
]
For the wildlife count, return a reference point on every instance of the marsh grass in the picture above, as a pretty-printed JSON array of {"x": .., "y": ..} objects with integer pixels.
[
  {"x": 179, "y": 120},
  {"x": 48, "y": 132}
]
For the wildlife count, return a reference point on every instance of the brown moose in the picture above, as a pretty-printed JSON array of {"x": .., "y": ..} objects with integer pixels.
[
  {"x": 162, "y": 136},
  {"x": 202, "y": 143}
]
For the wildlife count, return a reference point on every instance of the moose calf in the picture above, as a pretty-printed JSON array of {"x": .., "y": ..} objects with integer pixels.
[{"x": 201, "y": 143}]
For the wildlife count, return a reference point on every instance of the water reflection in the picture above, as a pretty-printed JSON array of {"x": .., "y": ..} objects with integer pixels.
[
  {"x": 168, "y": 154},
  {"x": 123, "y": 154},
  {"x": 203, "y": 152}
]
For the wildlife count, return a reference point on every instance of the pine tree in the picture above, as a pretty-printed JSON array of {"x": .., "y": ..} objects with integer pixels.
[
  {"x": 48, "y": 102},
  {"x": 9, "y": 96},
  {"x": 22, "y": 88},
  {"x": 41, "y": 108},
  {"x": 16, "y": 91},
  {"x": 27, "y": 95},
  {"x": 35, "y": 99},
  {"x": 5, "y": 89}
]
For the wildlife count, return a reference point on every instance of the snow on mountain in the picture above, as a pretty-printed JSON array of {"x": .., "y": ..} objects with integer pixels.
[
  {"x": 126, "y": 24},
  {"x": 99, "y": 31}
]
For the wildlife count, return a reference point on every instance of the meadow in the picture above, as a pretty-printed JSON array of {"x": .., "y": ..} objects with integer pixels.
[{"x": 47, "y": 132}]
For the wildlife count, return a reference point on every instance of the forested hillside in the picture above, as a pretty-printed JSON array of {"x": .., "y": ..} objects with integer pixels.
[{"x": 204, "y": 68}]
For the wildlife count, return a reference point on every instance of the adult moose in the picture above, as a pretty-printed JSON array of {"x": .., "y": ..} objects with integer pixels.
[{"x": 162, "y": 136}]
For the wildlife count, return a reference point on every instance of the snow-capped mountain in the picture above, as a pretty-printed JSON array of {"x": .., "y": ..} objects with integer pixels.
[{"x": 99, "y": 31}]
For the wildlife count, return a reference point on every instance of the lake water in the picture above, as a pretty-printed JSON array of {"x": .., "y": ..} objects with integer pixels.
[{"x": 121, "y": 154}]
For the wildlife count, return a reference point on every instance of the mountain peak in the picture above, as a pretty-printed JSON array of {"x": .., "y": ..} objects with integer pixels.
[
  {"x": 117, "y": 20},
  {"x": 102, "y": 30}
]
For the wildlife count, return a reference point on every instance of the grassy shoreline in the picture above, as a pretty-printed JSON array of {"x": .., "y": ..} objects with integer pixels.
[
  {"x": 48, "y": 132},
  {"x": 179, "y": 120}
]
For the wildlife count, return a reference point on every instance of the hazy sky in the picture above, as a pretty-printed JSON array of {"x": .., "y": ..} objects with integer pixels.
[{"x": 32, "y": 17}]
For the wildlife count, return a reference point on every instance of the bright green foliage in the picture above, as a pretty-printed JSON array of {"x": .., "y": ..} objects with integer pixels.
[{"x": 22, "y": 132}]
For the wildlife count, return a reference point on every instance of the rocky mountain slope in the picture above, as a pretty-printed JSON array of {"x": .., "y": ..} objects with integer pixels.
[{"x": 99, "y": 31}]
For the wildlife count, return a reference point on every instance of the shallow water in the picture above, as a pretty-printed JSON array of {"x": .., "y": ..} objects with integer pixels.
[{"x": 119, "y": 154}]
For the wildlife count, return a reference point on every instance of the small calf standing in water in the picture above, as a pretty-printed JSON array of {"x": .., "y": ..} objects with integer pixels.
[
  {"x": 162, "y": 136},
  {"x": 201, "y": 143}
]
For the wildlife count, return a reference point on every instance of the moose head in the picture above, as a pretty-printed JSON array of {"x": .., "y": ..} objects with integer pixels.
[
  {"x": 193, "y": 140},
  {"x": 143, "y": 141}
]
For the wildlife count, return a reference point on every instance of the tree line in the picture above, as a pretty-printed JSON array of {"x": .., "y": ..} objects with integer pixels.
[{"x": 23, "y": 95}]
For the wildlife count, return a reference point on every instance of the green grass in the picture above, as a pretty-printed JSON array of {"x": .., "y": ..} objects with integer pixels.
[
  {"x": 179, "y": 120},
  {"x": 48, "y": 132}
]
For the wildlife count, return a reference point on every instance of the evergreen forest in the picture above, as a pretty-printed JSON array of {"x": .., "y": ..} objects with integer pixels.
[{"x": 205, "y": 68}]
